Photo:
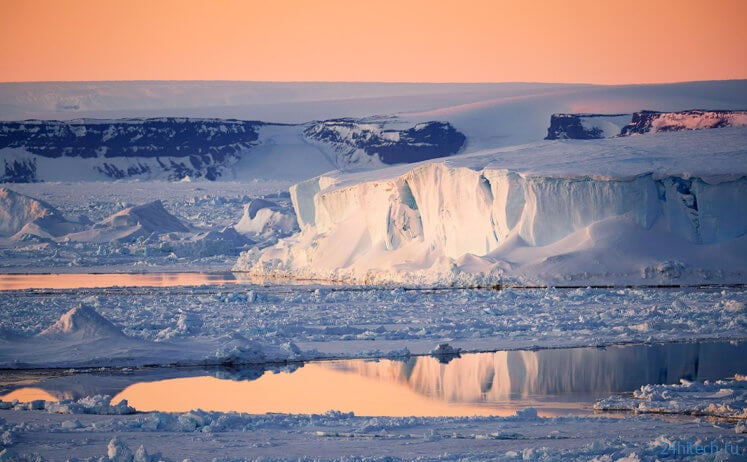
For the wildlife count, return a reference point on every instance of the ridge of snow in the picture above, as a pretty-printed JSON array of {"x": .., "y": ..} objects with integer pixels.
[{"x": 149, "y": 218}]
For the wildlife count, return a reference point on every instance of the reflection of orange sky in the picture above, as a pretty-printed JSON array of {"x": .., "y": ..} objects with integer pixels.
[
  {"x": 85, "y": 281},
  {"x": 28, "y": 394},
  {"x": 387, "y": 40},
  {"x": 311, "y": 389}
]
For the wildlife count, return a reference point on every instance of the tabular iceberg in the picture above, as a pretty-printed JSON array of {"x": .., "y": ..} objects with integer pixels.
[{"x": 655, "y": 209}]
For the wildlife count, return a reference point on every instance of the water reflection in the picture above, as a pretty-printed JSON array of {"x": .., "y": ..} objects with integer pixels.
[
  {"x": 572, "y": 374},
  {"x": 557, "y": 382},
  {"x": 102, "y": 280}
]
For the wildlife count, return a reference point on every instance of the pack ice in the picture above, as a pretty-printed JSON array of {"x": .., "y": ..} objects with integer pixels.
[{"x": 664, "y": 208}]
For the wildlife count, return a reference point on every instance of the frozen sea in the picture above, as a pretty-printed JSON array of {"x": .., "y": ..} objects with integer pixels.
[{"x": 215, "y": 366}]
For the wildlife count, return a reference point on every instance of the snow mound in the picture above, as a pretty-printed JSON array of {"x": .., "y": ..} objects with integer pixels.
[
  {"x": 224, "y": 241},
  {"x": 21, "y": 215},
  {"x": 81, "y": 322}
]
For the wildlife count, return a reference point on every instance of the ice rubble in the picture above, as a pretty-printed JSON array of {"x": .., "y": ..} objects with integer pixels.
[
  {"x": 147, "y": 235},
  {"x": 654, "y": 210},
  {"x": 720, "y": 398},
  {"x": 82, "y": 337},
  {"x": 339, "y": 436}
]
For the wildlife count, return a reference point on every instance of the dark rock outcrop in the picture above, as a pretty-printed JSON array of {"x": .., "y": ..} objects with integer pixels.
[
  {"x": 426, "y": 140},
  {"x": 183, "y": 147}
]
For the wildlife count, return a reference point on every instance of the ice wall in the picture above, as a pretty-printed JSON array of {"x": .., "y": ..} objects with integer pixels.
[
  {"x": 461, "y": 210},
  {"x": 440, "y": 220}
]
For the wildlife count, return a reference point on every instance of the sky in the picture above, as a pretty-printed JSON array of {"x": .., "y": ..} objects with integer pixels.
[{"x": 581, "y": 41}]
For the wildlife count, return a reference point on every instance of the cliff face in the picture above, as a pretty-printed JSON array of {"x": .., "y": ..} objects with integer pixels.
[
  {"x": 175, "y": 148},
  {"x": 585, "y": 126},
  {"x": 595, "y": 126},
  {"x": 181, "y": 147},
  {"x": 695, "y": 119},
  {"x": 353, "y": 139}
]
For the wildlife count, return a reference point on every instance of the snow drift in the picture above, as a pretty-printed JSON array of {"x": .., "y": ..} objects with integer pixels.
[{"x": 551, "y": 213}]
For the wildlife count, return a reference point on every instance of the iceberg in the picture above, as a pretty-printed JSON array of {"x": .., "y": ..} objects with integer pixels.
[{"x": 656, "y": 209}]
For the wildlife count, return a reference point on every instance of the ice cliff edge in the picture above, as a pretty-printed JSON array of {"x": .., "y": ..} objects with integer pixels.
[{"x": 489, "y": 220}]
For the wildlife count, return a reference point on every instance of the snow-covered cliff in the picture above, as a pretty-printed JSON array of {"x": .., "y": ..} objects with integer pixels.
[
  {"x": 177, "y": 148},
  {"x": 586, "y": 126},
  {"x": 695, "y": 119},
  {"x": 653, "y": 210},
  {"x": 596, "y": 126},
  {"x": 357, "y": 141},
  {"x": 173, "y": 147}
]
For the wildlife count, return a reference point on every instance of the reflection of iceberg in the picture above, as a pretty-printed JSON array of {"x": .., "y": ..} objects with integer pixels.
[
  {"x": 511, "y": 375},
  {"x": 474, "y": 384}
]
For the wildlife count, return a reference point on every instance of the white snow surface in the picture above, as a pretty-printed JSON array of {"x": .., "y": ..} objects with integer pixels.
[
  {"x": 659, "y": 209},
  {"x": 260, "y": 323}
]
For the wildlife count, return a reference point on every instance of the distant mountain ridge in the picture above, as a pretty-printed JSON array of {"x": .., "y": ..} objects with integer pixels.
[
  {"x": 180, "y": 146},
  {"x": 596, "y": 126},
  {"x": 177, "y": 148}
]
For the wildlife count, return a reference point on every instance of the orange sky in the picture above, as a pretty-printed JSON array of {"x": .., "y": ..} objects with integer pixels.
[{"x": 629, "y": 41}]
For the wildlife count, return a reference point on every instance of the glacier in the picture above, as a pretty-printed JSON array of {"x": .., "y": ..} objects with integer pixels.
[{"x": 654, "y": 209}]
